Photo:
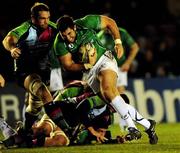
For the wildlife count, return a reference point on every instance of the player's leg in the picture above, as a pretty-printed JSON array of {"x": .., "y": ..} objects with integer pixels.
[
  {"x": 108, "y": 81},
  {"x": 53, "y": 135},
  {"x": 122, "y": 81},
  {"x": 54, "y": 111},
  {"x": 148, "y": 124},
  {"x": 153, "y": 138},
  {"x": 37, "y": 94},
  {"x": 58, "y": 138}
]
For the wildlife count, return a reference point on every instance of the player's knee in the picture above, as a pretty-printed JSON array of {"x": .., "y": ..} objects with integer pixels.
[
  {"x": 37, "y": 88},
  {"x": 34, "y": 84},
  {"x": 109, "y": 92},
  {"x": 30, "y": 79},
  {"x": 121, "y": 89},
  {"x": 61, "y": 140}
]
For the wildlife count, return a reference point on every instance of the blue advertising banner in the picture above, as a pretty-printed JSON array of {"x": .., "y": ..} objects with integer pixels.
[
  {"x": 158, "y": 99},
  {"x": 11, "y": 102}
]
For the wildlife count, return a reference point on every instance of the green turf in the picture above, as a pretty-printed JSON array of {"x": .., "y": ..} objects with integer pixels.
[{"x": 169, "y": 142}]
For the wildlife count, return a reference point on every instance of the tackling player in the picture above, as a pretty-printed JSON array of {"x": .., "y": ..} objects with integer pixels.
[{"x": 78, "y": 34}]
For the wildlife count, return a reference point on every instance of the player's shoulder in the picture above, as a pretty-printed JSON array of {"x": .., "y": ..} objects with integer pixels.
[
  {"x": 123, "y": 30},
  {"x": 52, "y": 24},
  {"x": 24, "y": 25}
]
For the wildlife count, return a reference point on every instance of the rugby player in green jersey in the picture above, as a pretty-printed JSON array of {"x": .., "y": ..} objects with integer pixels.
[
  {"x": 100, "y": 65},
  {"x": 131, "y": 49}
]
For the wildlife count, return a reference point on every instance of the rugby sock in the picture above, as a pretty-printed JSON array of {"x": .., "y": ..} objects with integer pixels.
[
  {"x": 55, "y": 113},
  {"x": 122, "y": 124},
  {"x": 121, "y": 108},
  {"x": 29, "y": 121},
  {"x": 138, "y": 117}
]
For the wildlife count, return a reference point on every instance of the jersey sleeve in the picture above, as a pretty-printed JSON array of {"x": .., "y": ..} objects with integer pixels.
[
  {"x": 20, "y": 30},
  {"x": 59, "y": 47},
  {"x": 52, "y": 24},
  {"x": 127, "y": 39},
  {"x": 90, "y": 22}
]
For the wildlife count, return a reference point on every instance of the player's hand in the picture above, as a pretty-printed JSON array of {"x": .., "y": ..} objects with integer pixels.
[
  {"x": 125, "y": 67},
  {"x": 119, "y": 50},
  {"x": 87, "y": 66},
  {"x": 100, "y": 137},
  {"x": 15, "y": 53}
]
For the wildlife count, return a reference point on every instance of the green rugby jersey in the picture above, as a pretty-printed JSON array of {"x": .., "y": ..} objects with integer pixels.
[
  {"x": 107, "y": 41},
  {"x": 86, "y": 32},
  {"x": 70, "y": 92}
]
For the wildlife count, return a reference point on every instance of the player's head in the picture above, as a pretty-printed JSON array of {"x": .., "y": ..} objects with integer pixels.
[
  {"x": 87, "y": 53},
  {"x": 66, "y": 28},
  {"x": 40, "y": 15}
]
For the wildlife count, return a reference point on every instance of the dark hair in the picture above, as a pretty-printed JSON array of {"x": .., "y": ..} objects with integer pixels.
[
  {"x": 65, "y": 22},
  {"x": 37, "y": 7}
]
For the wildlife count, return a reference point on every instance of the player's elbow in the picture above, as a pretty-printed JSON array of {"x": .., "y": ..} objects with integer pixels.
[
  {"x": 4, "y": 43},
  {"x": 135, "y": 48}
]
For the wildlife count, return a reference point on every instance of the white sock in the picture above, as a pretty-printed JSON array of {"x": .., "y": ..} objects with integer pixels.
[
  {"x": 122, "y": 124},
  {"x": 120, "y": 106},
  {"x": 137, "y": 117}
]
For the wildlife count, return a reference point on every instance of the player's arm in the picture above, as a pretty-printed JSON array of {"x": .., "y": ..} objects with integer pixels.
[
  {"x": 70, "y": 65},
  {"x": 58, "y": 138},
  {"x": 2, "y": 81},
  {"x": 100, "y": 137},
  {"x": 111, "y": 25},
  {"x": 132, "y": 54},
  {"x": 10, "y": 44},
  {"x": 65, "y": 57},
  {"x": 54, "y": 135}
]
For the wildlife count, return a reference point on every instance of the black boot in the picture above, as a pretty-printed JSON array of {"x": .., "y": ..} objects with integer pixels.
[{"x": 153, "y": 138}]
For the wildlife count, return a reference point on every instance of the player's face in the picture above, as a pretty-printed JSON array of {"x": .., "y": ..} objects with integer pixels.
[
  {"x": 69, "y": 35},
  {"x": 43, "y": 19}
]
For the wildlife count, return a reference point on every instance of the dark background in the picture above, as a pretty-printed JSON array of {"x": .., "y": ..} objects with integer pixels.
[{"x": 154, "y": 24}]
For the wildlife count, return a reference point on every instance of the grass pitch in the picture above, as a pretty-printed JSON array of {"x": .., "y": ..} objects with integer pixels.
[{"x": 169, "y": 142}]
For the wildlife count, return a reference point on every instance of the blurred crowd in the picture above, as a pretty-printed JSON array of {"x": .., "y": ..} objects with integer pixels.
[
  {"x": 153, "y": 24},
  {"x": 158, "y": 55}
]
